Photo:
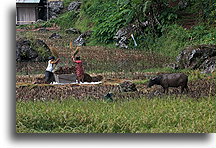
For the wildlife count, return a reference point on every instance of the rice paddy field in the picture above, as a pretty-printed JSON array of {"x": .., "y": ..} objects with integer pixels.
[
  {"x": 45, "y": 108},
  {"x": 159, "y": 115}
]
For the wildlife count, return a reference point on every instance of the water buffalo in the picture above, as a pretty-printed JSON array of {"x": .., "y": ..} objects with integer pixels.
[{"x": 170, "y": 80}]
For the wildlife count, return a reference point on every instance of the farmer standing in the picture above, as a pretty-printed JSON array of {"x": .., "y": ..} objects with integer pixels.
[
  {"x": 49, "y": 76},
  {"x": 79, "y": 69}
]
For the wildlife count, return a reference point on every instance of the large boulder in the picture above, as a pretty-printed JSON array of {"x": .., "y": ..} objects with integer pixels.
[
  {"x": 208, "y": 65},
  {"x": 55, "y": 36},
  {"x": 74, "y": 6},
  {"x": 121, "y": 38},
  {"x": 31, "y": 50},
  {"x": 123, "y": 35},
  {"x": 198, "y": 57},
  {"x": 24, "y": 50},
  {"x": 55, "y": 8},
  {"x": 128, "y": 86},
  {"x": 81, "y": 40}
]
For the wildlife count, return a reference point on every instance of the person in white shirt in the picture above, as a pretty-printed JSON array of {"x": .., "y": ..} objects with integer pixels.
[{"x": 49, "y": 76}]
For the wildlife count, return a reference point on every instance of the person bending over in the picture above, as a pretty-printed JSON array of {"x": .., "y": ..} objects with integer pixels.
[{"x": 49, "y": 76}]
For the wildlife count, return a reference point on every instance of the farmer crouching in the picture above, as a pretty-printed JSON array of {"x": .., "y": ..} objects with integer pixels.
[{"x": 49, "y": 76}]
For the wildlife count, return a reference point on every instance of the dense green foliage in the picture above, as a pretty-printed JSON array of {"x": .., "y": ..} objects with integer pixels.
[
  {"x": 207, "y": 8},
  {"x": 65, "y": 20},
  {"x": 165, "y": 32},
  {"x": 110, "y": 15},
  {"x": 162, "y": 115}
]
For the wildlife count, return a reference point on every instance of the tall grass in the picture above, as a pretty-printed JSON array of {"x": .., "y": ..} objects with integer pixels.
[{"x": 158, "y": 115}]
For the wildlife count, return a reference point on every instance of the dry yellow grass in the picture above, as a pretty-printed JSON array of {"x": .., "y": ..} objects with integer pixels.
[{"x": 54, "y": 51}]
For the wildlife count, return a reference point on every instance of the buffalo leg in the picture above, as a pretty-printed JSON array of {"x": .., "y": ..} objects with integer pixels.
[
  {"x": 187, "y": 89},
  {"x": 184, "y": 88},
  {"x": 165, "y": 90}
]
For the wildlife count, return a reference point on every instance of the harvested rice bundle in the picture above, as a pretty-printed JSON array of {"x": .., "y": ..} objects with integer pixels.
[
  {"x": 76, "y": 50},
  {"x": 54, "y": 51}
]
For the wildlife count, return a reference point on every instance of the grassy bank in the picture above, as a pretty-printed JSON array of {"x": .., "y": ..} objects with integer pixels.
[
  {"x": 158, "y": 115},
  {"x": 168, "y": 36}
]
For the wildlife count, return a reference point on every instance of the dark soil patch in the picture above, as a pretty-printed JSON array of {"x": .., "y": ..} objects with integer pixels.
[{"x": 198, "y": 88}]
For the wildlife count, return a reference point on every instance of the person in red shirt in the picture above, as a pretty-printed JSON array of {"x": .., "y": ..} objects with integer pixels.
[{"x": 79, "y": 69}]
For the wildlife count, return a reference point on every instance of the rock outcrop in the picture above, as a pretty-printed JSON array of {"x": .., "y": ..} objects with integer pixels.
[
  {"x": 128, "y": 86},
  {"x": 81, "y": 40},
  {"x": 31, "y": 50},
  {"x": 24, "y": 51},
  {"x": 208, "y": 65},
  {"x": 198, "y": 57},
  {"x": 55, "y": 36},
  {"x": 74, "y": 6},
  {"x": 55, "y": 8},
  {"x": 124, "y": 34}
]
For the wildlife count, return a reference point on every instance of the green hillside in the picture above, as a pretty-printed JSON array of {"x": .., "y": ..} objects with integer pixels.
[{"x": 170, "y": 26}]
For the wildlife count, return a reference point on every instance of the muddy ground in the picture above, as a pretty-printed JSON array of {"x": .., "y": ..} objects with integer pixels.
[
  {"x": 26, "y": 90},
  {"x": 96, "y": 60}
]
